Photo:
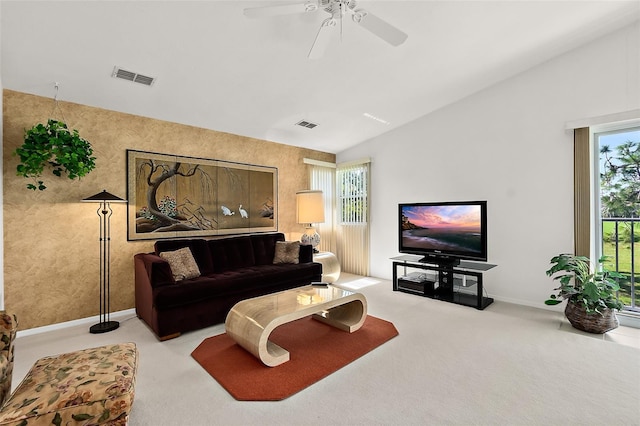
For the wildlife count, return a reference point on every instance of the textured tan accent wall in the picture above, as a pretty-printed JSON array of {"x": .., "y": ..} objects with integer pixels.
[{"x": 51, "y": 239}]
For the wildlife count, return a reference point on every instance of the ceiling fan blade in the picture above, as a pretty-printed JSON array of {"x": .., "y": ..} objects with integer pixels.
[
  {"x": 379, "y": 27},
  {"x": 324, "y": 36},
  {"x": 282, "y": 9}
]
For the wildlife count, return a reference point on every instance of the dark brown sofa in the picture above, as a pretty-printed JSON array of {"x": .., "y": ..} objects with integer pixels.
[{"x": 231, "y": 268}]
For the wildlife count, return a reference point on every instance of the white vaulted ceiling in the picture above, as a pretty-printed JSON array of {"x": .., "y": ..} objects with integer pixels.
[{"x": 217, "y": 69}]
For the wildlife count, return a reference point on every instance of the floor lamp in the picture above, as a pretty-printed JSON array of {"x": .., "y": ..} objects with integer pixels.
[{"x": 104, "y": 213}]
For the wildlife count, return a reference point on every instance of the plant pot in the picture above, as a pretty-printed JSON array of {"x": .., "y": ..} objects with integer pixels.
[{"x": 591, "y": 323}]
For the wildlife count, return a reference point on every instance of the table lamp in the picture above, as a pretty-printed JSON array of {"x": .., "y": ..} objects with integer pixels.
[{"x": 310, "y": 210}]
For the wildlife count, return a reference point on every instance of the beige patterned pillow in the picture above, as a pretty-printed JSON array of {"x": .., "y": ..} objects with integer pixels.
[
  {"x": 183, "y": 265},
  {"x": 287, "y": 252}
]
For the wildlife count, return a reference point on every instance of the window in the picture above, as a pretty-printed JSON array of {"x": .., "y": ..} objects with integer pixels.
[
  {"x": 352, "y": 193},
  {"x": 617, "y": 207}
]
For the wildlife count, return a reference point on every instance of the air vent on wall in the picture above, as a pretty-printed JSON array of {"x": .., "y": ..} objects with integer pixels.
[
  {"x": 307, "y": 124},
  {"x": 132, "y": 76}
]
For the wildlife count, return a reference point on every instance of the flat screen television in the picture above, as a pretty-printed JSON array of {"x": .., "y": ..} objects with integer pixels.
[{"x": 444, "y": 232}]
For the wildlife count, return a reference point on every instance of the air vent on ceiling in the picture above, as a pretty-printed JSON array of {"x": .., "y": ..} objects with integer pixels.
[
  {"x": 132, "y": 76},
  {"x": 307, "y": 124}
]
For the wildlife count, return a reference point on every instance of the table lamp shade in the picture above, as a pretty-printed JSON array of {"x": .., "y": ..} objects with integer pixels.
[{"x": 309, "y": 207}]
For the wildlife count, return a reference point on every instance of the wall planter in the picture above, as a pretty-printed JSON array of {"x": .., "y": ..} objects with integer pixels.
[{"x": 53, "y": 146}]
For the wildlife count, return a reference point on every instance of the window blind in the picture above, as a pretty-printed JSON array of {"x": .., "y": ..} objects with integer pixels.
[{"x": 353, "y": 217}]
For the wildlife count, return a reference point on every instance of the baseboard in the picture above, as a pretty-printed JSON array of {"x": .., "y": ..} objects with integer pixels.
[
  {"x": 626, "y": 319},
  {"x": 540, "y": 305},
  {"x": 120, "y": 315},
  {"x": 629, "y": 319}
]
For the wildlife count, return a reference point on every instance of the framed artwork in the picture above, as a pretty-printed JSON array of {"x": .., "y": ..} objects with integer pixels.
[{"x": 170, "y": 196}]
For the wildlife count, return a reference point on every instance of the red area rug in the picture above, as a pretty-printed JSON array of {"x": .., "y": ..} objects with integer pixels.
[{"x": 316, "y": 350}]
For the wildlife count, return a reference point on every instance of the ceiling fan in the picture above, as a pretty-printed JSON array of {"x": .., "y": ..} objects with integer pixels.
[{"x": 337, "y": 9}]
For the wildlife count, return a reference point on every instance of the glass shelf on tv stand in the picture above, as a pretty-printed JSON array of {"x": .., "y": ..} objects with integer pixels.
[
  {"x": 464, "y": 264},
  {"x": 461, "y": 284}
]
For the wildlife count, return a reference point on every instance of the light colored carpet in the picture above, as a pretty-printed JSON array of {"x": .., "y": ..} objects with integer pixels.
[{"x": 450, "y": 365}]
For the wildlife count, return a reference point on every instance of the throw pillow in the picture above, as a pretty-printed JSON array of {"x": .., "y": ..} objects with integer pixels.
[
  {"x": 183, "y": 265},
  {"x": 287, "y": 252}
]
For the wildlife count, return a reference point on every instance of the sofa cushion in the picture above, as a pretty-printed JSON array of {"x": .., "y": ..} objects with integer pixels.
[
  {"x": 303, "y": 273},
  {"x": 245, "y": 281},
  {"x": 199, "y": 249},
  {"x": 287, "y": 252},
  {"x": 264, "y": 246},
  {"x": 183, "y": 265},
  {"x": 205, "y": 288},
  {"x": 231, "y": 253}
]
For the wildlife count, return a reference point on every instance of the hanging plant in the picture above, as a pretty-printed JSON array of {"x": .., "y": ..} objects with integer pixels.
[{"x": 53, "y": 146}]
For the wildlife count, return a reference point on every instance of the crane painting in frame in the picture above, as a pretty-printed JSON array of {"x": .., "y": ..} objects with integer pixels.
[{"x": 172, "y": 196}]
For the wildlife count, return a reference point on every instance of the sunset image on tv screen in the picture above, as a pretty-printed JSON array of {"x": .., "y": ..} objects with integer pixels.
[{"x": 445, "y": 227}]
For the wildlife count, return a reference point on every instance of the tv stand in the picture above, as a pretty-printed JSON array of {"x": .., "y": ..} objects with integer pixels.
[
  {"x": 441, "y": 261},
  {"x": 458, "y": 282}
]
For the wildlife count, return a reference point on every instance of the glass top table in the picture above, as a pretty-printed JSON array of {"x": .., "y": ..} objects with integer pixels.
[{"x": 251, "y": 321}]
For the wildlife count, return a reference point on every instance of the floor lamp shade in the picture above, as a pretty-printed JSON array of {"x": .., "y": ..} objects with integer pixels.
[
  {"x": 104, "y": 214},
  {"x": 310, "y": 210}
]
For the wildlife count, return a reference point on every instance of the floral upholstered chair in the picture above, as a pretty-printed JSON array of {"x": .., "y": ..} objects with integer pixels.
[
  {"x": 8, "y": 327},
  {"x": 92, "y": 386}
]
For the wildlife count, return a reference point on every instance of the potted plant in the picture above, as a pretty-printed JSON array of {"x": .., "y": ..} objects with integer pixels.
[
  {"x": 591, "y": 296},
  {"x": 53, "y": 145}
]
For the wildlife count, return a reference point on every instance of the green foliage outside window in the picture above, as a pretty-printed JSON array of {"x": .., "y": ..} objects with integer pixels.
[
  {"x": 352, "y": 193},
  {"x": 620, "y": 198},
  {"x": 620, "y": 180}
]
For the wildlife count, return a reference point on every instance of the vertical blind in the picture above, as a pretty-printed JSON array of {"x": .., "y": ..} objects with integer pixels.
[
  {"x": 353, "y": 217},
  {"x": 323, "y": 178}
]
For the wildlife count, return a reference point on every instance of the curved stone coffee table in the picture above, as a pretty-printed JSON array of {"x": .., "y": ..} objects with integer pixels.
[{"x": 251, "y": 321}]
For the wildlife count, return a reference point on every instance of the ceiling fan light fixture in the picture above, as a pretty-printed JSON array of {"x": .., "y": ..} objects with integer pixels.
[
  {"x": 310, "y": 7},
  {"x": 337, "y": 9}
]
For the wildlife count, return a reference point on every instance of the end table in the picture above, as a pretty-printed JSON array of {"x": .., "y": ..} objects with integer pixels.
[{"x": 330, "y": 265}]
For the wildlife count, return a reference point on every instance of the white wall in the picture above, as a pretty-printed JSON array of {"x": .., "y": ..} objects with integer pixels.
[{"x": 507, "y": 145}]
